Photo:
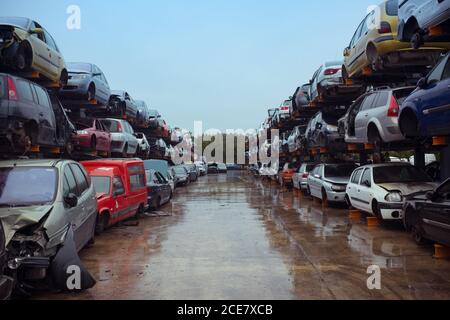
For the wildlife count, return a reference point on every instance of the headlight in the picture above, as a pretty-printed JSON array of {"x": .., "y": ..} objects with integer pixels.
[
  {"x": 395, "y": 196},
  {"x": 338, "y": 188},
  {"x": 82, "y": 132},
  {"x": 79, "y": 76}
]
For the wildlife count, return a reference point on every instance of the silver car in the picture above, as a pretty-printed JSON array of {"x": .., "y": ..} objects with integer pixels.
[
  {"x": 48, "y": 209},
  {"x": 123, "y": 139},
  {"x": 373, "y": 118},
  {"x": 328, "y": 182}
]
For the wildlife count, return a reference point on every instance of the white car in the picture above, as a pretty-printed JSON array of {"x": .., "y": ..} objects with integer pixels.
[
  {"x": 202, "y": 167},
  {"x": 416, "y": 17},
  {"x": 300, "y": 178},
  {"x": 143, "y": 145},
  {"x": 379, "y": 189}
]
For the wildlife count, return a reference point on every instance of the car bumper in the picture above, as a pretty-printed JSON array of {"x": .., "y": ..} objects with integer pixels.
[
  {"x": 334, "y": 196},
  {"x": 75, "y": 89},
  {"x": 81, "y": 141},
  {"x": 391, "y": 211}
]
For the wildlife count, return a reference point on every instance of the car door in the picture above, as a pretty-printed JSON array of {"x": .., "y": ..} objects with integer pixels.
[
  {"x": 314, "y": 181},
  {"x": 362, "y": 118},
  {"x": 102, "y": 136},
  {"x": 361, "y": 44},
  {"x": 132, "y": 139},
  {"x": 120, "y": 198},
  {"x": 40, "y": 50},
  {"x": 101, "y": 90},
  {"x": 159, "y": 182},
  {"x": 364, "y": 191},
  {"x": 75, "y": 214},
  {"x": 165, "y": 187},
  {"x": 55, "y": 58},
  {"x": 47, "y": 122},
  {"x": 88, "y": 208},
  {"x": 353, "y": 58},
  {"x": 435, "y": 100},
  {"x": 352, "y": 189}
]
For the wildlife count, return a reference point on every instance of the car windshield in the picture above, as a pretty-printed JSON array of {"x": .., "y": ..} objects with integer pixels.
[
  {"x": 27, "y": 186},
  {"x": 339, "y": 170},
  {"x": 15, "y": 21},
  {"x": 101, "y": 184},
  {"x": 79, "y": 67},
  {"x": 2, "y": 87},
  {"x": 399, "y": 174},
  {"x": 392, "y": 8}
]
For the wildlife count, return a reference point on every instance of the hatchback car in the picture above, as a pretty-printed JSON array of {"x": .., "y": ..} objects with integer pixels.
[
  {"x": 427, "y": 215},
  {"x": 86, "y": 83},
  {"x": 322, "y": 131},
  {"x": 328, "y": 182},
  {"x": 192, "y": 171},
  {"x": 373, "y": 118},
  {"x": 300, "y": 178},
  {"x": 380, "y": 189},
  {"x": 123, "y": 140},
  {"x": 426, "y": 112},
  {"x": 92, "y": 136},
  {"x": 376, "y": 47},
  {"x": 48, "y": 210},
  {"x": 180, "y": 176},
  {"x": 30, "y": 116},
  {"x": 124, "y": 105},
  {"x": 26, "y": 46},
  {"x": 159, "y": 191},
  {"x": 418, "y": 18}
]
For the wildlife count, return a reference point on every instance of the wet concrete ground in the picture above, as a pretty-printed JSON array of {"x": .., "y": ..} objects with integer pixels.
[{"x": 236, "y": 237}]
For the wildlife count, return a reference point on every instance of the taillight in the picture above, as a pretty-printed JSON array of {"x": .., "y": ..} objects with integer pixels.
[
  {"x": 385, "y": 27},
  {"x": 305, "y": 175},
  {"x": 331, "y": 71},
  {"x": 284, "y": 108},
  {"x": 119, "y": 127},
  {"x": 393, "y": 109},
  {"x": 12, "y": 91},
  {"x": 148, "y": 189}
]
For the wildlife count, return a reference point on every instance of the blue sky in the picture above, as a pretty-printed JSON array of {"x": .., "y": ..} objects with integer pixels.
[{"x": 224, "y": 62}]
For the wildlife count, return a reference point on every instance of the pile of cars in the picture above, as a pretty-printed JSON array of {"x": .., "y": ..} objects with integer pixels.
[
  {"x": 76, "y": 159},
  {"x": 388, "y": 94}
]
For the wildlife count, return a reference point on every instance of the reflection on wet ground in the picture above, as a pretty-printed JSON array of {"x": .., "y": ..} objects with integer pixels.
[{"x": 236, "y": 237}]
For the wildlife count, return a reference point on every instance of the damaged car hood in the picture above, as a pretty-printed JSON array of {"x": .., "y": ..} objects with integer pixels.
[
  {"x": 409, "y": 188},
  {"x": 14, "y": 219}
]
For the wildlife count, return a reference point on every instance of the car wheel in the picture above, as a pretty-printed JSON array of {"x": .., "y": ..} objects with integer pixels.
[
  {"x": 376, "y": 210},
  {"x": 91, "y": 93},
  {"x": 64, "y": 78},
  {"x": 347, "y": 200},
  {"x": 102, "y": 223},
  {"x": 374, "y": 137},
  {"x": 93, "y": 146},
  {"x": 140, "y": 212},
  {"x": 125, "y": 151},
  {"x": 416, "y": 41},
  {"x": 417, "y": 234}
]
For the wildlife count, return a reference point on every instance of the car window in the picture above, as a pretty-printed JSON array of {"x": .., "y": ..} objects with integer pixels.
[
  {"x": 368, "y": 102},
  {"x": 42, "y": 97},
  {"x": 137, "y": 181},
  {"x": 367, "y": 176},
  {"x": 24, "y": 90},
  {"x": 80, "y": 177},
  {"x": 381, "y": 99},
  {"x": 49, "y": 40},
  {"x": 118, "y": 188},
  {"x": 356, "y": 35},
  {"x": 365, "y": 24},
  {"x": 356, "y": 176},
  {"x": 402, "y": 174},
  {"x": 436, "y": 74},
  {"x": 111, "y": 125},
  {"x": 102, "y": 185},
  {"x": 70, "y": 185},
  {"x": 446, "y": 73}
]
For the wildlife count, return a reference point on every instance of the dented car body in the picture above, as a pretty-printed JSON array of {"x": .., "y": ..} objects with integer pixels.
[{"x": 47, "y": 210}]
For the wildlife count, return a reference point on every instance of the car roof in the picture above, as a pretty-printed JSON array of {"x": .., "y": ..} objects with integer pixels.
[
  {"x": 32, "y": 163},
  {"x": 387, "y": 164}
]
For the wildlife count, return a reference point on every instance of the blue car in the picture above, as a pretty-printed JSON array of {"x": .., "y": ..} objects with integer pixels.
[
  {"x": 426, "y": 112},
  {"x": 86, "y": 83}
]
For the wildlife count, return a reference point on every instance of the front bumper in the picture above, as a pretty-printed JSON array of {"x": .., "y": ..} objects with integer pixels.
[
  {"x": 391, "y": 211},
  {"x": 334, "y": 196},
  {"x": 75, "y": 89},
  {"x": 81, "y": 141}
]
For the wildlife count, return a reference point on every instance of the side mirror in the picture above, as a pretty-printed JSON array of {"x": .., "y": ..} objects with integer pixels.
[
  {"x": 71, "y": 200},
  {"x": 37, "y": 31},
  {"x": 346, "y": 52},
  {"x": 422, "y": 83}
]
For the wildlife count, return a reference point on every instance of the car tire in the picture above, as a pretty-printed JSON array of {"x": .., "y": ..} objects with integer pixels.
[
  {"x": 348, "y": 201},
  {"x": 102, "y": 223},
  {"x": 93, "y": 146},
  {"x": 416, "y": 41},
  {"x": 417, "y": 234},
  {"x": 140, "y": 212},
  {"x": 376, "y": 210}
]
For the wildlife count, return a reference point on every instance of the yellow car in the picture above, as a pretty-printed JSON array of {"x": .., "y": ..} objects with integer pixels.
[
  {"x": 25, "y": 47},
  {"x": 375, "y": 47}
]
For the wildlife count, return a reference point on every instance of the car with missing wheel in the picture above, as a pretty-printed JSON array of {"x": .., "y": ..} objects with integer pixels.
[
  {"x": 92, "y": 136},
  {"x": 423, "y": 21},
  {"x": 120, "y": 187},
  {"x": 380, "y": 189},
  {"x": 123, "y": 105},
  {"x": 322, "y": 131},
  {"x": 427, "y": 215},
  {"x": 31, "y": 116},
  {"x": 86, "y": 83},
  {"x": 26, "y": 46},
  {"x": 48, "y": 210},
  {"x": 328, "y": 181},
  {"x": 375, "y": 47},
  {"x": 426, "y": 112},
  {"x": 373, "y": 118}
]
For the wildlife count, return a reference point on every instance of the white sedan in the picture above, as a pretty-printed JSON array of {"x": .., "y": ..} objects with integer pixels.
[{"x": 379, "y": 189}]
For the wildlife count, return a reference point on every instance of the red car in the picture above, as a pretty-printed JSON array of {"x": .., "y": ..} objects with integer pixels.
[
  {"x": 92, "y": 136},
  {"x": 121, "y": 189}
]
